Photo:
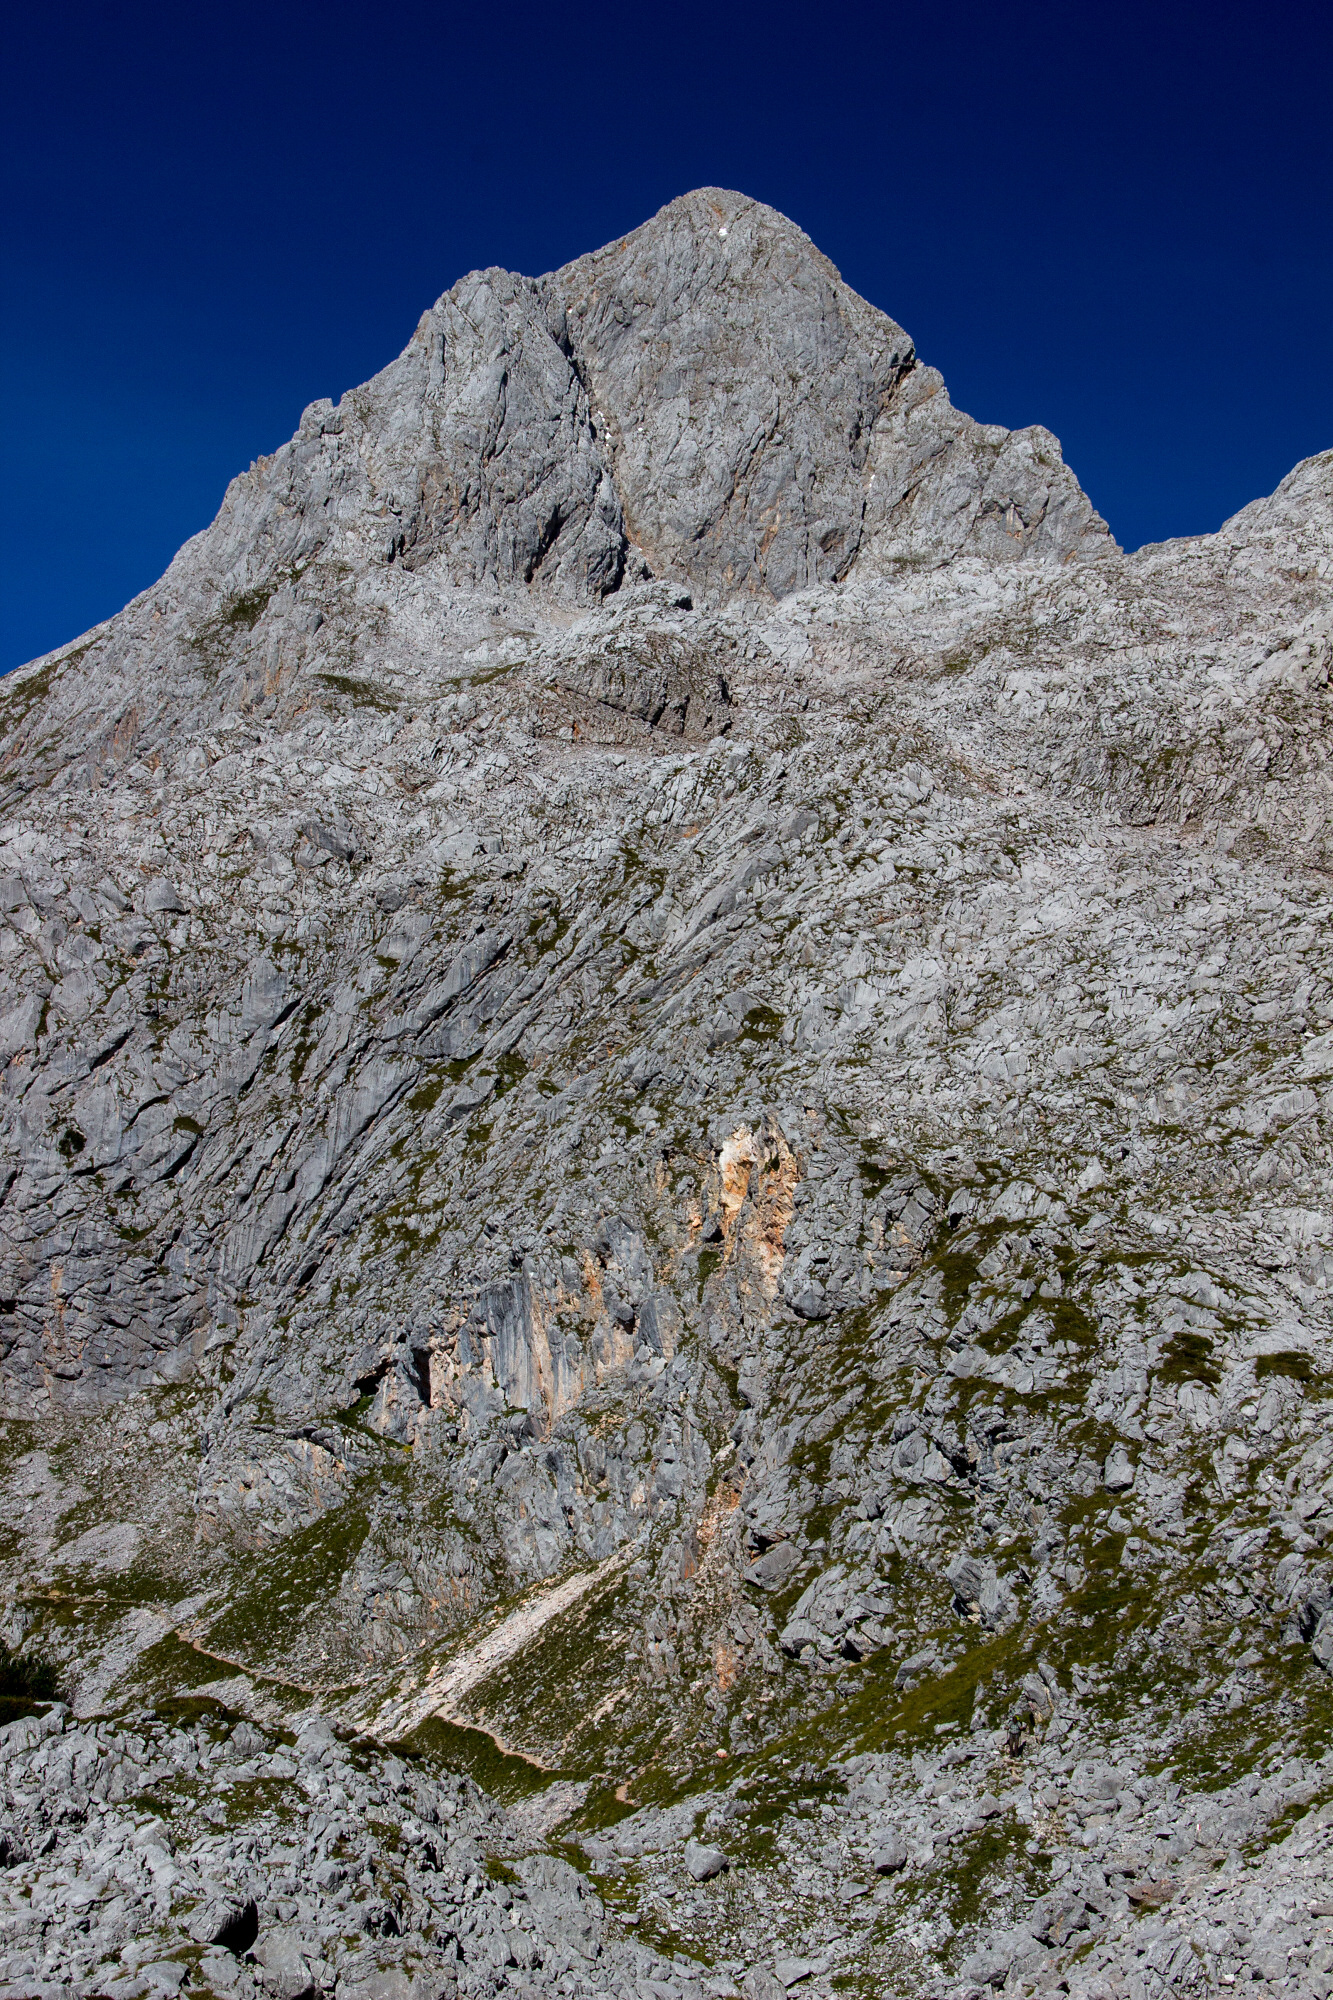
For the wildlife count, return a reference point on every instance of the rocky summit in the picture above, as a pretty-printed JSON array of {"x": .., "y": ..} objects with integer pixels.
[{"x": 667, "y": 1053}]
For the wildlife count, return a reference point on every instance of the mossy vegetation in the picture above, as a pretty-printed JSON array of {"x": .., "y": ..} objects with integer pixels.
[
  {"x": 1291, "y": 1364},
  {"x": 1189, "y": 1358},
  {"x": 709, "y": 1260},
  {"x": 361, "y": 693},
  {"x": 244, "y": 611},
  {"x": 455, "y": 1746},
  {"x": 191, "y": 1711},
  {"x": 281, "y": 1588},
  {"x": 762, "y": 1024},
  {"x": 170, "y": 1669},
  {"x": 986, "y": 1873},
  {"x": 304, "y": 1042},
  {"x": 21, "y": 693}
]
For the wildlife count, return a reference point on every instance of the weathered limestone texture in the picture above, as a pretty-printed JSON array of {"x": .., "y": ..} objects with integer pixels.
[{"x": 664, "y": 1048}]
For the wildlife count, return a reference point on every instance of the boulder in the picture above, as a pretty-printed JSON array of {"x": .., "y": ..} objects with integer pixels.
[{"x": 703, "y": 1863}]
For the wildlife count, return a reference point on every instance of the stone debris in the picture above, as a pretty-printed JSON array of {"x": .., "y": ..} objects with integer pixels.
[{"x": 149, "y": 1855}]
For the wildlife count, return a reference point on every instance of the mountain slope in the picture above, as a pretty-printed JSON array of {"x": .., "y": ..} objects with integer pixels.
[{"x": 667, "y": 1040}]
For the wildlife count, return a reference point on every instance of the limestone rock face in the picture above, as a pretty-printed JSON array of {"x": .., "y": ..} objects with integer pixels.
[
  {"x": 764, "y": 450},
  {"x": 739, "y": 436},
  {"x": 666, "y": 1044},
  {"x": 475, "y": 445}
]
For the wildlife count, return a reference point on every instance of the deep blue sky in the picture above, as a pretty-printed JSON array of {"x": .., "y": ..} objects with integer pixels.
[{"x": 1111, "y": 219}]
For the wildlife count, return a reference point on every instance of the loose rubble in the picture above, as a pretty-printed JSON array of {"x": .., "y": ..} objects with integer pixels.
[{"x": 204, "y": 1853}]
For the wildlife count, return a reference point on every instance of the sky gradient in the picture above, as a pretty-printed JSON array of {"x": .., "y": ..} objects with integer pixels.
[{"x": 1115, "y": 221}]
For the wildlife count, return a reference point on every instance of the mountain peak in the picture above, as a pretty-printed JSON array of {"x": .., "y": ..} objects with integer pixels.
[
  {"x": 664, "y": 1041},
  {"x": 703, "y": 400}
]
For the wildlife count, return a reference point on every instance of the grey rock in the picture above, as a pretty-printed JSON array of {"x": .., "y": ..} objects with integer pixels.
[
  {"x": 1321, "y": 1645},
  {"x": 1118, "y": 1473},
  {"x": 922, "y": 1662},
  {"x": 19, "y": 1023},
  {"x": 1056, "y": 1916},
  {"x": 791, "y": 1971},
  {"x": 772, "y": 1569},
  {"x": 284, "y": 1957},
  {"x": 229, "y": 1920},
  {"x": 702, "y": 1862},
  {"x": 161, "y": 899},
  {"x": 760, "y": 1983},
  {"x": 736, "y": 984},
  {"x": 873, "y": 419},
  {"x": 796, "y": 1634},
  {"x": 164, "y": 1976},
  {"x": 392, "y": 1982}
]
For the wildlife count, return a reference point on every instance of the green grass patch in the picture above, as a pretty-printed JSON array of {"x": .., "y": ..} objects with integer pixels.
[
  {"x": 983, "y": 1871},
  {"x": 362, "y": 694},
  {"x": 1188, "y": 1357},
  {"x": 762, "y": 1024},
  {"x": 1291, "y": 1363},
  {"x": 708, "y": 1262},
  {"x": 243, "y": 613},
  {"x": 284, "y": 1585},
  {"x": 454, "y": 1746},
  {"x": 186, "y": 1711}
]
